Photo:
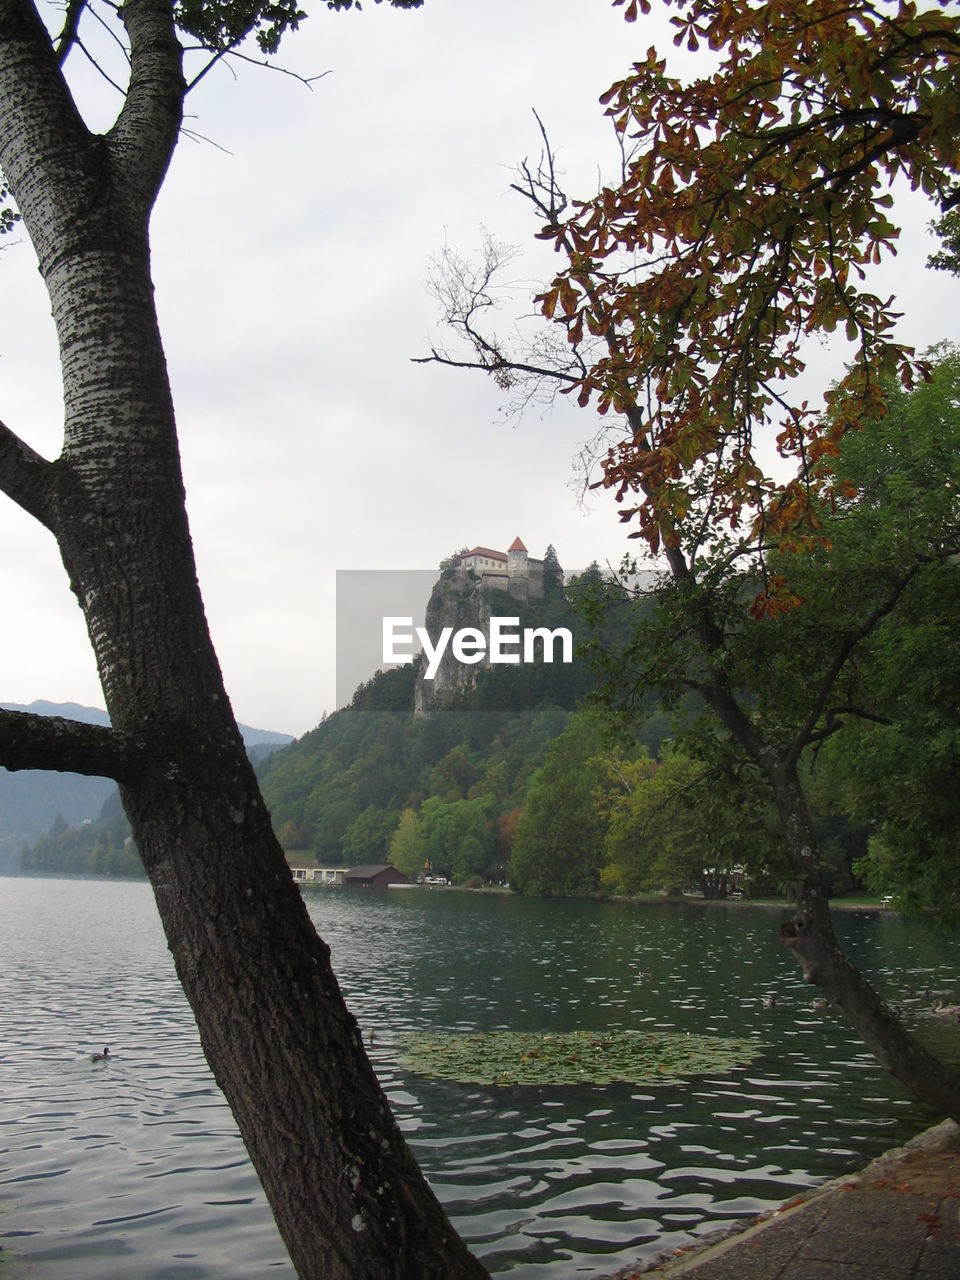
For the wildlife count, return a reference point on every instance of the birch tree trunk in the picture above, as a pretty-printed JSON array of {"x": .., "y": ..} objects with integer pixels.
[{"x": 347, "y": 1195}]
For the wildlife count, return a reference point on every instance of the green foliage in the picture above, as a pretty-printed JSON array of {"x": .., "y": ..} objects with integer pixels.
[
  {"x": 406, "y": 852},
  {"x": 894, "y": 769},
  {"x": 857, "y": 679},
  {"x": 448, "y": 789},
  {"x": 459, "y": 837},
  {"x": 475, "y": 766},
  {"x": 509, "y": 1058},
  {"x": 685, "y": 821},
  {"x": 102, "y": 848},
  {"x": 552, "y": 573},
  {"x": 453, "y": 776},
  {"x": 387, "y": 691},
  {"x": 227, "y": 23},
  {"x": 947, "y": 257},
  {"x": 558, "y": 847},
  {"x": 367, "y": 838},
  {"x": 9, "y": 217}
]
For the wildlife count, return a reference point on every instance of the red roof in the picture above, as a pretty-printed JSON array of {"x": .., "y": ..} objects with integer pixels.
[
  {"x": 517, "y": 545},
  {"x": 485, "y": 551}
]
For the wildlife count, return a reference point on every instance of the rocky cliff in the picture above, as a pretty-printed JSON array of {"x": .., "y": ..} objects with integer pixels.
[{"x": 457, "y": 601}]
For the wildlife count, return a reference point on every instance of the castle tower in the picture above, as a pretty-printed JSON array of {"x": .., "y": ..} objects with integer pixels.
[{"x": 517, "y": 558}]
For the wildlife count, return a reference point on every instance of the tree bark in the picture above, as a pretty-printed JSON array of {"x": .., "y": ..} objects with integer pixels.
[
  {"x": 810, "y": 936},
  {"x": 810, "y": 933},
  {"x": 29, "y": 741},
  {"x": 346, "y": 1192}
]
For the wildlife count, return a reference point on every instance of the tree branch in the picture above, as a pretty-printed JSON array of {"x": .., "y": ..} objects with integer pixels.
[
  {"x": 846, "y": 648},
  {"x": 232, "y": 52},
  {"x": 145, "y": 133},
  {"x": 26, "y": 477},
  {"x": 834, "y": 722},
  {"x": 29, "y": 741},
  {"x": 497, "y": 363},
  {"x": 71, "y": 23}
]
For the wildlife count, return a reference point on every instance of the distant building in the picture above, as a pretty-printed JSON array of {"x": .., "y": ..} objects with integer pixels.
[
  {"x": 318, "y": 875},
  {"x": 330, "y": 875},
  {"x": 482, "y": 560},
  {"x": 518, "y": 558},
  {"x": 377, "y": 876},
  {"x": 513, "y": 571}
]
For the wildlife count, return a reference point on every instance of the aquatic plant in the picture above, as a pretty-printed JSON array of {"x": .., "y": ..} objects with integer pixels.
[{"x": 572, "y": 1057}]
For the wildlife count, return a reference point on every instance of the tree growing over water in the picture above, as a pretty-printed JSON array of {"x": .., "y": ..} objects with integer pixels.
[
  {"x": 687, "y": 821},
  {"x": 749, "y": 204},
  {"x": 274, "y": 1028}
]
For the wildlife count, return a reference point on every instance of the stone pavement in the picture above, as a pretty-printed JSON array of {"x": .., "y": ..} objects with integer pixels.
[{"x": 897, "y": 1220}]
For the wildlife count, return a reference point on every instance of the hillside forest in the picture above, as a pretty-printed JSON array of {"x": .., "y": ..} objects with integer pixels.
[{"x": 613, "y": 777}]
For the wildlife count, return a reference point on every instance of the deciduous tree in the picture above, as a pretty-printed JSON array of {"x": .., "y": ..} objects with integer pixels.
[
  {"x": 558, "y": 847},
  {"x": 749, "y": 204},
  {"x": 684, "y": 821},
  {"x": 343, "y": 1186}
]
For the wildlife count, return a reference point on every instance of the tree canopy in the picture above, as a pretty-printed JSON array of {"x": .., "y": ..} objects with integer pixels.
[
  {"x": 748, "y": 210},
  {"x": 750, "y": 205}
]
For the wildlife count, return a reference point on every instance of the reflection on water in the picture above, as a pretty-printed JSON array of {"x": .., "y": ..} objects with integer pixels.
[{"x": 135, "y": 1167}]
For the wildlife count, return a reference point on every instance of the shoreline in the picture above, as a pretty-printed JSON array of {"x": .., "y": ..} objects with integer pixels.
[
  {"x": 928, "y": 1165},
  {"x": 655, "y": 900},
  {"x": 768, "y": 904}
]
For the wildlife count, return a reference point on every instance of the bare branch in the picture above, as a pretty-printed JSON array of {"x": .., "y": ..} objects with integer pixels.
[
  {"x": 231, "y": 51},
  {"x": 98, "y": 68},
  {"x": 26, "y": 477},
  {"x": 71, "y": 23},
  {"x": 469, "y": 292},
  {"x": 202, "y": 137},
  {"x": 29, "y": 741},
  {"x": 541, "y": 188},
  {"x": 112, "y": 33},
  {"x": 833, "y": 720},
  {"x": 496, "y": 364}
]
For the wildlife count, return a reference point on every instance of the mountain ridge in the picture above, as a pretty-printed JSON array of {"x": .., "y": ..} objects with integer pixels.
[{"x": 32, "y": 799}]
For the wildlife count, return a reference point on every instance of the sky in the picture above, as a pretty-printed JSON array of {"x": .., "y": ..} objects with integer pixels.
[{"x": 291, "y": 246}]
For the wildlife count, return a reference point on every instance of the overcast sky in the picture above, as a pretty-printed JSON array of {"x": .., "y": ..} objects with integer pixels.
[{"x": 290, "y": 253}]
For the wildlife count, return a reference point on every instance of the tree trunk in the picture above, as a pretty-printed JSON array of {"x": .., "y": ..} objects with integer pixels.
[
  {"x": 810, "y": 933},
  {"x": 347, "y": 1195},
  {"x": 810, "y": 936}
]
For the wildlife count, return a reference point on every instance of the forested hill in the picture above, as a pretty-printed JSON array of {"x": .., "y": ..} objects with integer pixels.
[
  {"x": 82, "y": 818},
  {"x": 339, "y": 794},
  {"x": 374, "y": 783}
]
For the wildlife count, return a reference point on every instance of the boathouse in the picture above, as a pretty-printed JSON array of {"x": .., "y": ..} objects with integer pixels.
[{"x": 378, "y": 876}]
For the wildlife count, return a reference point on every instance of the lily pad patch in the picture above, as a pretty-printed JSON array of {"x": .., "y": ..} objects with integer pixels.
[{"x": 573, "y": 1057}]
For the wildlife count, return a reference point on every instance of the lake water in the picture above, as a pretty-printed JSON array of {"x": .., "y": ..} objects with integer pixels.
[{"x": 135, "y": 1168}]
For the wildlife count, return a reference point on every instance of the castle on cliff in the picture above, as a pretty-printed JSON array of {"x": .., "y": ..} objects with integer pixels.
[{"x": 513, "y": 571}]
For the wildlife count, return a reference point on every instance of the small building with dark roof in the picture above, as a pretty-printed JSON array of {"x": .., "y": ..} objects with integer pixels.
[{"x": 376, "y": 876}]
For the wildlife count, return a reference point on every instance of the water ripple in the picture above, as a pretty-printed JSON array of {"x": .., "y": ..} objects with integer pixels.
[{"x": 134, "y": 1166}]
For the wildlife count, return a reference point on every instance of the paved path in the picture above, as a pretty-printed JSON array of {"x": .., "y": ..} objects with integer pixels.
[{"x": 897, "y": 1220}]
